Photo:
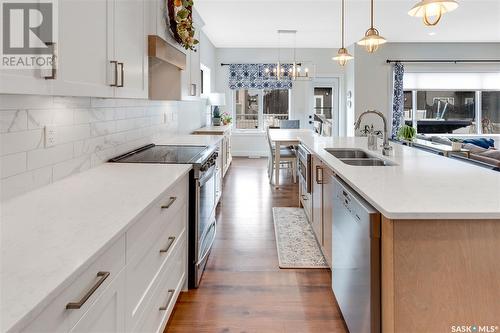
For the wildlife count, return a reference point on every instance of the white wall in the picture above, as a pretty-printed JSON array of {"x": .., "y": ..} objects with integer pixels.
[
  {"x": 301, "y": 106},
  {"x": 372, "y": 76}
]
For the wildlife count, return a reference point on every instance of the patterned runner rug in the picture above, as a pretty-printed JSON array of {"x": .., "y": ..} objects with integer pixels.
[{"x": 297, "y": 246}]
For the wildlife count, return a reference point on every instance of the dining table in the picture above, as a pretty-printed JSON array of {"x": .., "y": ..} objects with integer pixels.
[{"x": 281, "y": 137}]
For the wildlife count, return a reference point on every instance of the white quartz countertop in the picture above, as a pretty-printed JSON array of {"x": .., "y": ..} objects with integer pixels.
[
  {"x": 421, "y": 186},
  {"x": 188, "y": 140},
  {"x": 50, "y": 235}
]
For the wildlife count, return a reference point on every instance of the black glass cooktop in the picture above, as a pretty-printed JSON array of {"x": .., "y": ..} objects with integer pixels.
[{"x": 164, "y": 154}]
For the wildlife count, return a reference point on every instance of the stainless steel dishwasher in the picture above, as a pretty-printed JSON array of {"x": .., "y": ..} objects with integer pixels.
[{"x": 356, "y": 259}]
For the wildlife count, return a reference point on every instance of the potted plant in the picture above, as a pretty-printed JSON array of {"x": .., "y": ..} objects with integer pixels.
[
  {"x": 372, "y": 135},
  {"x": 407, "y": 133},
  {"x": 226, "y": 118}
]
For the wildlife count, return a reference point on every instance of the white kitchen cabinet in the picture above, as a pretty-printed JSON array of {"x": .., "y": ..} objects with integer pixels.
[
  {"x": 108, "y": 312},
  {"x": 130, "y": 49},
  {"x": 85, "y": 48},
  {"x": 91, "y": 36}
]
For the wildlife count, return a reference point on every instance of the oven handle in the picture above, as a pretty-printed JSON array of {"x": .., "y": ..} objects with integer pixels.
[{"x": 213, "y": 226}]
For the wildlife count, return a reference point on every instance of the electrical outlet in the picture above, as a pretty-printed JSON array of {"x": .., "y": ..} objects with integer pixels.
[{"x": 50, "y": 136}]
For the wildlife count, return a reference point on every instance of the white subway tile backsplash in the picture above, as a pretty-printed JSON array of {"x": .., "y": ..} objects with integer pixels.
[
  {"x": 70, "y": 167},
  {"x": 89, "y": 131},
  {"x": 47, "y": 156},
  {"x": 13, "y": 164},
  {"x": 13, "y": 121},
  {"x": 25, "y": 182},
  {"x": 16, "y": 142}
]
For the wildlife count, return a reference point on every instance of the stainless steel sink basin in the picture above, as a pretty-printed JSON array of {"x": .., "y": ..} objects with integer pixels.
[
  {"x": 366, "y": 162},
  {"x": 358, "y": 157},
  {"x": 347, "y": 153}
]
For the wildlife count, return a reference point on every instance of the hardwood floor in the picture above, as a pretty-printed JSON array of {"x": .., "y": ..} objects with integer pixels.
[{"x": 243, "y": 289}]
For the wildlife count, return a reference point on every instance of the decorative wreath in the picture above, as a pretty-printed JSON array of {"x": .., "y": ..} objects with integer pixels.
[{"x": 180, "y": 21}]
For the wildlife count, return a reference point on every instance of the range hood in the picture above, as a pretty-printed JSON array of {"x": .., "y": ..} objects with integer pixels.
[{"x": 165, "y": 66}]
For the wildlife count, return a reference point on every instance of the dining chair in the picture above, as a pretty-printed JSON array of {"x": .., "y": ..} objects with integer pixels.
[
  {"x": 288, "y": 159},
  {"x": 290, "y": 124}
]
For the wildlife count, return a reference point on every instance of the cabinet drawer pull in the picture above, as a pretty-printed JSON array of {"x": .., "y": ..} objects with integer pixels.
[
  {"x": 53, "y": 74},
  {"x": 115, "y": 83},
  {"x": 318, "y": 169},
  {"x": 103, "y": 276},
  {"x": 122, "y": 74},
  {"x": 171, "y": 294},
  {"x": 170, "y": 203},
  {"x": 171, "y": 240}
]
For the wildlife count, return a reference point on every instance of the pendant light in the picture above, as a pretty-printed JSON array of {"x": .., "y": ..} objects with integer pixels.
[
  {"x": 372, "y": 38},
  {"x": 432, "y": 10},
  {"x": 342, "y": 55}
]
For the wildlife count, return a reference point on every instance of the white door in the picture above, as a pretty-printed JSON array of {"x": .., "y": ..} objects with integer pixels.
[
  {"x": 107, "y": 314},
  {"x": 85, "y": 48},
  {"x": 130, "y": 48}
]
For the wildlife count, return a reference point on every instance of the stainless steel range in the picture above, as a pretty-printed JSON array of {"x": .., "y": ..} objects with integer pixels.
[{"x": 202, "y": 195}]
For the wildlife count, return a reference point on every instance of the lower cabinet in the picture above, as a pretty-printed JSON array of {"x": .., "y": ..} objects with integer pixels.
[
  {"x": 134, "y": 284},
  {"x": 322, "y": 206},
  {"x": 107, "y": 314}
]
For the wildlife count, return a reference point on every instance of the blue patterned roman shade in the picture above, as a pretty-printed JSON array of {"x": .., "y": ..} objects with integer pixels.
[{"x": 254, "y": 76}]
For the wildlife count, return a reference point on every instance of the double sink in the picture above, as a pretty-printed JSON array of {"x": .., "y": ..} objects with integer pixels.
[{"x": 358, "y": 157}]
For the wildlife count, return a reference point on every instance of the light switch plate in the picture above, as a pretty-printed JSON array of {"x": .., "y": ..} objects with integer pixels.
[{"x": 50, "y": 136}]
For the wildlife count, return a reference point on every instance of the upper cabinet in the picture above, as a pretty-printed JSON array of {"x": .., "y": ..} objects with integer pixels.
[
  {"x": 101, "y": 51},
  {"x": 130, "y": 48},
  {"x": 85, "y": 48}
]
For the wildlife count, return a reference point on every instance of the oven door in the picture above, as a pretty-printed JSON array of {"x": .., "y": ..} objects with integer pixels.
[{"x": 206, "y": 226}]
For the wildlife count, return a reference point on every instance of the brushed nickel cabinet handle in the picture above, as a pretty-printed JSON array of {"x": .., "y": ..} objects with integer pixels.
[
  {"x": 103, "y": 276},
  {"x": 318, "y": 169},
  {"x": 171, "y": 240},
  {"x": 122, "y": 74},
  {"x": 53, "y": 74},
  {"x": 114, "y": 62},
  {"x": 170, "y": 203},
  {"x": 171, "y": 294}
]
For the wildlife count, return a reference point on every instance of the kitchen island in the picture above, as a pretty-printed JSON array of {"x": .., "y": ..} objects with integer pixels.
[{"x": 440, "y": 237}]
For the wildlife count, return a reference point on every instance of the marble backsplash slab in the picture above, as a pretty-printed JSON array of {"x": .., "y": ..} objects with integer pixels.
[{"x": 89, "y": 131}]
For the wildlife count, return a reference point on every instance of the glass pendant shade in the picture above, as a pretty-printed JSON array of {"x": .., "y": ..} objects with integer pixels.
[
  {"x": 432, "y": 10},
  {"x": 342, "y": 56},
  {"x": 372, "y": 40}
]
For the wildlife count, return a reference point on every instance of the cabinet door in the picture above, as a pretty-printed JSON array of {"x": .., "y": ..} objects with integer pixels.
[
  {"x": 130, "y": 48},
  {"x": 327, "y": 214},
  {"x": 317, "y": 199},
  {"x": 85, "y": 48},
  {"x": 107, "y": 314}
]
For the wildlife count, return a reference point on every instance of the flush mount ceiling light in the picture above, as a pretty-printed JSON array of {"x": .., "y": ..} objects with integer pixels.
[
  {"x": 432, "y": 10},
  {"x": 343, "y": 55},
  {"x": 372, "y": 38}
]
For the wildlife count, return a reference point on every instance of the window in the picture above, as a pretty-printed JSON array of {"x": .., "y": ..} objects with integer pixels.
[
  {"x": 275, "y": 107},
  {"x": 323, "y": 102},
  {"x": 490, "y": 112},
  {"x": 453, "y": 112},
  {"x": 256, "y": 109},
  {"x": 452, "y": 102},
  {"x": 205, "y": 77}
]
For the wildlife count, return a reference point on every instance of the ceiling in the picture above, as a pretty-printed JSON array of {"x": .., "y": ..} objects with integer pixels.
[{"x": 254, "y": 23}]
